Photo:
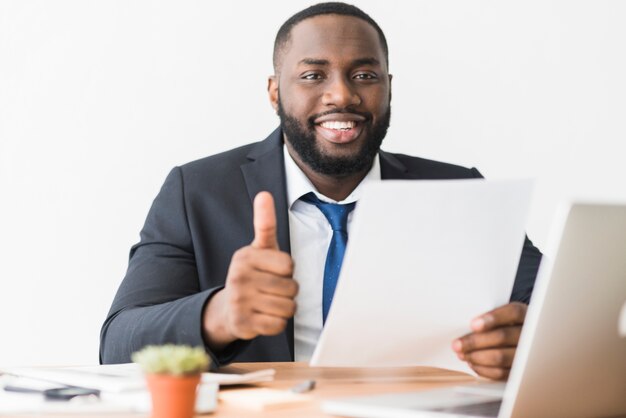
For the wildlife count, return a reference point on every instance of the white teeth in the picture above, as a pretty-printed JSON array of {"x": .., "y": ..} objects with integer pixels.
[{"x": 339, "y": 125}]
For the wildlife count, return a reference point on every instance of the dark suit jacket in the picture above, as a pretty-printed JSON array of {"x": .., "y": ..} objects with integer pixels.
[{"x": 201, "y": 216}]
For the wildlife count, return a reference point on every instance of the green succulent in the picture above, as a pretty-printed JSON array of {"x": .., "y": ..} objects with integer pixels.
[{"x": 172, "y": 359}]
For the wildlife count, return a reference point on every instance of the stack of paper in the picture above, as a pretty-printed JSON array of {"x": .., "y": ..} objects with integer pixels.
[
  {"x": 118, "y": 378},
  {"x": 122, "y": 387}
]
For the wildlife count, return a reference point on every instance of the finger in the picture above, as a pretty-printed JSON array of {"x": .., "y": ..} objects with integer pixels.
[
  {"x": 510, "y": 314},
  {"x": 275, "y": 306},
  {"x": 264, "y": 324},
  {"x": 264, "y": 222},
  {"x": 495, "y": 373},
  {"x": 499, "y": 337},
  {"x": 248, "y": 261},
  {"x": 502, "y": 357},
  {"x": 277, "y": 286}
]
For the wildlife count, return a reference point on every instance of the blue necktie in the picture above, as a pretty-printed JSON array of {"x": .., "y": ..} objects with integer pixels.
[{"x": 337, "y": 216}]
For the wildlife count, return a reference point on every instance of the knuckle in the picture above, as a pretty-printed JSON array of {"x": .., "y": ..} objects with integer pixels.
[
  {"x": 469, "y": 343},
  {"x": 294, "y": 287},
  {"x": 501, "y": 335},
  {"x": 273, "y": 327},
  {"x": 235, "y": 278},
  {"x": 282, "y": 324},
  {"x": 291, "y": 308},
  {"x": 500, "y": 374},
  {"x": 241, "y": 254},
  {"x": 286, "y": 263},
  {"x": 246, "y": 255},
  {"x": 289, "y": 264},
  {"x": 520, "y": 310},
  {"x": 278, "y": 282},
  {"x": 236, "y": 303},
  {"x": 239, "y": 322},
  {"x": 498, "y": 357},
  {"x": 262, "y": 327},
  {"x": 238, "y": 300},
  {"x": 236, "y": 274}
]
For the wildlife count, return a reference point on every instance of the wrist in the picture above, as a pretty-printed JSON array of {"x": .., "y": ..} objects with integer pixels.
[{"x": 214, "y": 323}]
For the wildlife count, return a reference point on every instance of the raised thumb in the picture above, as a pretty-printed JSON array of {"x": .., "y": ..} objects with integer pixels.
[{"x": 264, "y": 221}]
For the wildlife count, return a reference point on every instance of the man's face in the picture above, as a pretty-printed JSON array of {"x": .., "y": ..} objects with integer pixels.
[{"x": 332, "y": 94}]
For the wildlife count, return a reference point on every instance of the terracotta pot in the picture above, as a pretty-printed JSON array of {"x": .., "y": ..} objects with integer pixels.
[{"x": 173, "y": 396}]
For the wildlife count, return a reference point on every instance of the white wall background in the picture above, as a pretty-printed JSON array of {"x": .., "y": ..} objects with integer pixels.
[{"x": 99, "y": 99}]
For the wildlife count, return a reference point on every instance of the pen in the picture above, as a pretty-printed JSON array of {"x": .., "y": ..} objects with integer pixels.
[
  {"x": 61, "y": 393},
  {"x": 19, "y": 389},
  {"x": 306, "y": 386}
]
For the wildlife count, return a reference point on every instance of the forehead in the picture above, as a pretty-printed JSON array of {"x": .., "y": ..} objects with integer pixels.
[{"x": 333, "y": 37}]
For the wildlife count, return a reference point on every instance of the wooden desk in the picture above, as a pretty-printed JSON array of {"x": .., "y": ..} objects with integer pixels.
[
  {"x": 330, "y": 383},
  {"x": 340, "y": 382}
]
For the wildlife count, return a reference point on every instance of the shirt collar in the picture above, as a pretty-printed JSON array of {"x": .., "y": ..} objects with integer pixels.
[{"x": 298, "y": 184}]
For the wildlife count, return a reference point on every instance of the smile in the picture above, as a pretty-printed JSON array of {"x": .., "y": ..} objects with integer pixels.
[
  {"x": 339, "y": 132},
  {"x": 338, "y": 125}
]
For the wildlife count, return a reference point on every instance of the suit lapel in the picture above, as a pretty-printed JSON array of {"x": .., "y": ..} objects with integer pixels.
[
  {"x": 265, "y": 171},
  {"x": 391, "y": 168}
]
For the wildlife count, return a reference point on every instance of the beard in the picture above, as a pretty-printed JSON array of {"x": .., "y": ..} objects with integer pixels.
[{"x": 303, "y": 141}]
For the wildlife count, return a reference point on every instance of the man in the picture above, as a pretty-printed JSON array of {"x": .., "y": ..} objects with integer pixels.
[{"x": 235, "y": 244}]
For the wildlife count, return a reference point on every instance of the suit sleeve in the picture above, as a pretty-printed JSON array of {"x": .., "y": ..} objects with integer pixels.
[
  {"x": 526, "y": 273},
  {"x": 159, "y": 301},
  {"x": 527, "y": 268}
]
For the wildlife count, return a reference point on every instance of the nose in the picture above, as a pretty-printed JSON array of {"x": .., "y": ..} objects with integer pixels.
[{"x": 340, "y": 93}]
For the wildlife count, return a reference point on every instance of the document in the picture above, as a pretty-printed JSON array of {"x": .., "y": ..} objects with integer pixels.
[
  {"x": 125, "y": 377},
  {"x": 122, "y": 386},
  {"x": 423, "y": 259}
]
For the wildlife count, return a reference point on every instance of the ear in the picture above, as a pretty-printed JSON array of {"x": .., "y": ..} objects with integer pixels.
[
  {"x": 272, "y": 91},
  {"x": 390, "y": 77}
]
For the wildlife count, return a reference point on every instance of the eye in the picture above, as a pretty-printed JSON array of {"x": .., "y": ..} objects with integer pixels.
[
  {"x": 311, "y": 76},
  {"x": 366, "y": 76}
]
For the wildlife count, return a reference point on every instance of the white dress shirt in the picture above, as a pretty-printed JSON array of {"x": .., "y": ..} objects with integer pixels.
[{"x": 310, "y": 235}]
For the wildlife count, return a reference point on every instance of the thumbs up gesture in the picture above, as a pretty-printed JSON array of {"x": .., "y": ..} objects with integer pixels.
[
  {"x": 258, "y": 298},
  {"x": 264, "y": 222}
]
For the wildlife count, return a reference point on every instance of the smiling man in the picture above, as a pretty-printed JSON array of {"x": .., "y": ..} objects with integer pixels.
[
  {"x": 241, "y": 251},
  {"x": 332, "y": 92}
]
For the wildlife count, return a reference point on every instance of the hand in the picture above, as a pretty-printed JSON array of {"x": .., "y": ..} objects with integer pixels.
[
  {"x": 258, "y": 297},
  {"x": 490, "y": 348}
]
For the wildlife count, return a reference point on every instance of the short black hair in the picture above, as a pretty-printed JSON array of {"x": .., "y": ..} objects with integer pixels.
[{"x": 336, "y": 8}]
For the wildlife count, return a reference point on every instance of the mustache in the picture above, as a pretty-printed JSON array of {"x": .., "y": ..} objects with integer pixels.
[{"x": 366, "y": 115}]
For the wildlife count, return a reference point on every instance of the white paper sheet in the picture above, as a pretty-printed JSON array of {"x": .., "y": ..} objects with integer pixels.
[
  {"x": 122, "y": 386},
  {"x": 423, "y": 259},
  {"x": 127, "y": 401},
  {"x": 117, "y": 378}
]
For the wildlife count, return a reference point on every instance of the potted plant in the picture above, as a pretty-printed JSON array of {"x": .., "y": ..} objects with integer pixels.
[{"x": 172, "y": 373}]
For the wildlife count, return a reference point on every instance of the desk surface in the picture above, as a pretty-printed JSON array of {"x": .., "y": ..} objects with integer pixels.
[
  {"x": 330, "y": 383},
  {"x": 340, "y": 382}
]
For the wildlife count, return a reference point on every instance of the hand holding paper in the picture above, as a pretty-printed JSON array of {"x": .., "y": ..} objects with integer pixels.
[
  {"x": 490, "y": 348},
  {"x": 423, "y": 259}
]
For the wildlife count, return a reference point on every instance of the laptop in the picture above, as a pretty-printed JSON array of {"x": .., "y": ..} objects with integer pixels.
[{"x": 571, "y": 358}]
